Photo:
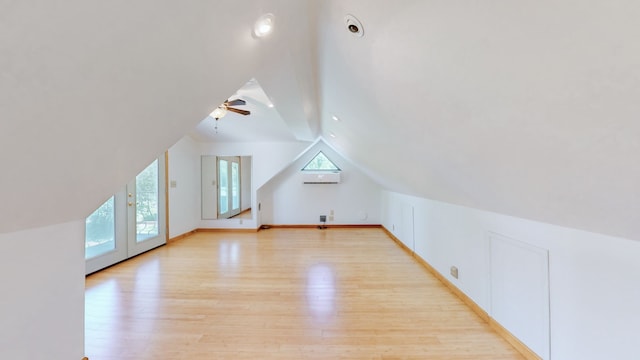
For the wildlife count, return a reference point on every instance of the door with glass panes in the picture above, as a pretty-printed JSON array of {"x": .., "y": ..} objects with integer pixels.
[
  {"x": 228, "y": 168},
  {"x": 130, "y": 222}
]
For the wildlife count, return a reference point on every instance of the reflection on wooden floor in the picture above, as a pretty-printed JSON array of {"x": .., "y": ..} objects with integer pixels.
[
  {"x": 281, "y": 294},
  {"x": 244, "y": 215}
]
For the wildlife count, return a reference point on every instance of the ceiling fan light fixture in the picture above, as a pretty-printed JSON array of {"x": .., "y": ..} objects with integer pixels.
[
  {"x": 218, "y": 113},
  {"x": 264, "y": 25}
]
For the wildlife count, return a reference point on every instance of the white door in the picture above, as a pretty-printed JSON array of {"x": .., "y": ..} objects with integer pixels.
[
  {"x": 228, "y": 186},
  {"x": 106, "y": 234},
  {"x": 130, "y": 222},
  {"x": 146, "y": 210}
]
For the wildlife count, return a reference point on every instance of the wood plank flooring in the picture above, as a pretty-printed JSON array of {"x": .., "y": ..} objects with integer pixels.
[{"x": 281, "y": 294}]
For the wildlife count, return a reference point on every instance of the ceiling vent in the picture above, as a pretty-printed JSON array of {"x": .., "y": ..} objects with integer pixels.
[{"x": 354, "y": 26}]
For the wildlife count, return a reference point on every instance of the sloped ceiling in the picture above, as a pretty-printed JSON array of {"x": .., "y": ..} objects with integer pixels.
[
  {"x": 526, "y": 109},
  {"x": 264, "y": 122},
  {"x": 92, "y": 91}
]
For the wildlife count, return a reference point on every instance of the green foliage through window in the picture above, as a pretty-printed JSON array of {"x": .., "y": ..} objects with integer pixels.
[{"x": 320, "y": 163}]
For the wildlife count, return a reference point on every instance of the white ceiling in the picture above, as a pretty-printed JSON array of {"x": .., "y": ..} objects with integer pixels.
[
  {"x": 527, "y": 109},
  {"x": 263, "y": 124}
]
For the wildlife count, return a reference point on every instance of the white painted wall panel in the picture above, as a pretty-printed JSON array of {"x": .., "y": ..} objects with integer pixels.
[
  {"x": 520, "y": 291},
  {"x": 184, "y": 198},
  {"x": 267, "y": 160},
  {"x": 593, "y": 297},
  {"x": 247, "y": 195},
  {"x": 356, "y": 200},
  {"x": 42, "y": 301}
]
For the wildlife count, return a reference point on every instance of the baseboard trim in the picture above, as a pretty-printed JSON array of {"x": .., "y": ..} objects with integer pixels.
[
  {"x": 225, "y": 230},
  {"x": 514, "y": 341},
  {"x": 495, "y": 325},
  {"x": 332, "y": 226},
  {"x": 182, "y": 236},
  {"x": 282, "y": 226}
]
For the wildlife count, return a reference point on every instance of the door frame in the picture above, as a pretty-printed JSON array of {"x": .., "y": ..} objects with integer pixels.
[
  {"x": 126, "y": 245},
  {"x": 232, "y": 212}
]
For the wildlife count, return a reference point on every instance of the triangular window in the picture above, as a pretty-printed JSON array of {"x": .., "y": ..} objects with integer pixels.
[{"x": 320, "y": 162}]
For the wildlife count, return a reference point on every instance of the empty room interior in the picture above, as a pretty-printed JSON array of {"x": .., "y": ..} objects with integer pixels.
[{"x": 319, "y": 179}]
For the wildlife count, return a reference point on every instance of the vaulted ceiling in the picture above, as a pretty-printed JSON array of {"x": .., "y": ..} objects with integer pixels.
[{"x": 526, "y": 109}]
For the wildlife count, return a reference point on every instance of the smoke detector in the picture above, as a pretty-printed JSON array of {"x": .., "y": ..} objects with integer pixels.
[{"x": 354, "y": 26}]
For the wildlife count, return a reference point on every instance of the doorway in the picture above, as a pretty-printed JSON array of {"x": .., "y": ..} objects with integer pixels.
[
  {"x": 130, "y": 222},
  {"x": 228, "y": 169}
]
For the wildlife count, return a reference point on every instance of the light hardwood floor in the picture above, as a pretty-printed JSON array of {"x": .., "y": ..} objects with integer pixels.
[{"x": 281, "y": 294}]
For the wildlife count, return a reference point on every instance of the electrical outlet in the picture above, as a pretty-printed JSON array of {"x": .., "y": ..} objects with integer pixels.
[
  {"x": 454, "y": 272},
  {"x": 240, "y": 221},
  {"x": 323, "y": 218},
  {"x": 331, "y": 212},
  {"x": 330, "y": 217}
]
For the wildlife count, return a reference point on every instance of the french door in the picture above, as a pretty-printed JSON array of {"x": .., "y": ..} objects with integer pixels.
[
  {"x": 130, "y": 222},
  {"x": 228, "y": 186}
]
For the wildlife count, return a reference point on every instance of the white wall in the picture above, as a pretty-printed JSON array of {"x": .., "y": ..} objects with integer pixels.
[
  {"x": 184, "y": 199},
  {"x": 593, "y": 278},
  {"x": 286, "y": 200},
  {"x": 267, "y": 160},
  {"x": 247, "y": 194},
  {"x": 42, "y": 301}
]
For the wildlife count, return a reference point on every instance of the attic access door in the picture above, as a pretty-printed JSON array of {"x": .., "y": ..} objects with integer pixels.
[{"x": 228, "y": 186}]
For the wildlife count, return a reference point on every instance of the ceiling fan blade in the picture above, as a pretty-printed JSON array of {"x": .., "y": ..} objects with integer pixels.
[
  {"x": 238, "y": 111},
  {"x": 235, "y": 102}
]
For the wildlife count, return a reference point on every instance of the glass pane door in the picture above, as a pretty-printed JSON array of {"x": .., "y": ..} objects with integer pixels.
[
  {"x": 147, "y": 203},
  {"x": 128, "y": 223},
  {"x": 100, "y": 230},
  {"x": 223, "y": 187},
  {"x": 228, "y": 186},
  {"x": 235, "y": 186},
  {"x": 106, "y": 234},
  {"x": 146, "y": 209}
]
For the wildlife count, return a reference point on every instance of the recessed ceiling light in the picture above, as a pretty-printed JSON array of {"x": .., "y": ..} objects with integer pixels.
[
  {"x": 335, "y": 118},
  {"x": 332, "y": 134},
  {"x": 354, "y": 26},
  {"x": 264, "y": 25},
  {"x": 270, "y": 105}
]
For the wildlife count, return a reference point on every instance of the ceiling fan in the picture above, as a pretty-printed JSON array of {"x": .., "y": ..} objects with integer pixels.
[
  {"x": 226, "y": 106},
  {"x": 221, "y": 110}
]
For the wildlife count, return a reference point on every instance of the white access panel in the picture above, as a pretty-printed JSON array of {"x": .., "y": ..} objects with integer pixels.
[{"x": 520, "y": 291}]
